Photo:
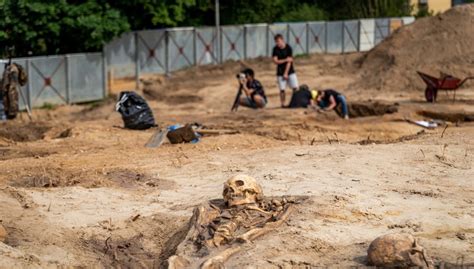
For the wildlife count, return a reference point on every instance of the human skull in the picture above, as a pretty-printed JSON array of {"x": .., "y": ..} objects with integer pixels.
[
  {"x": 397, "y": 250},
  {"x": 242, "y": 189}
]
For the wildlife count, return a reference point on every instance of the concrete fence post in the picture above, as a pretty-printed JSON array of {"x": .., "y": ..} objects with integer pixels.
[
  {"x": 307, "y": 37},
  {"x": 359, "y": 25},
  {"x": 67, "y": 79},
  {"x": 245, "y": 41},
  {"x": 137, "y": 63},
  {"x": 167, "y": 69},
  {"x": 28, "y": 87},
  {"x": 325, "y": 37},
  {"x": 342, "y": 37},
  {"x": 195, "y": 40},
  {"x": 269, "y": 33},
  {"x": 105, "y": 76}
]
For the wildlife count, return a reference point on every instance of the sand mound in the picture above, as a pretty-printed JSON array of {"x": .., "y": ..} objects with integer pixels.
[{"x": 443, "y": 43}]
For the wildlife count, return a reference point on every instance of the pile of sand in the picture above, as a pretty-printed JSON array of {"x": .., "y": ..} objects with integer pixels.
[{"x": 442, "y": 43}]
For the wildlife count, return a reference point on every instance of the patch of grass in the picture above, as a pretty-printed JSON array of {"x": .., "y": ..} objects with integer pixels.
[
  {"x": 302, "y": 56},
  {"x": 48, "y": 106}
]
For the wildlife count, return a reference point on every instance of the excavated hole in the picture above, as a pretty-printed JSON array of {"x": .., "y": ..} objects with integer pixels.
[
  {"x": 447, "y": 116},
  {"x": 367, "y": 109},
  {"x": 23, "y": 132}
]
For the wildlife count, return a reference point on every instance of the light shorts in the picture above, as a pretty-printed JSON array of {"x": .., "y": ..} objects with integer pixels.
[
  {"x": 292, "y": 82},
  {"x": 251, "y": 103}
]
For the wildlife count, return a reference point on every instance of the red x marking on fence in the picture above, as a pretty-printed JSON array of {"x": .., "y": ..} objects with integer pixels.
[
  {"x": 48, "y": 81},
  {"x": 298, "y": 37},
  {"x": 316, "y": 36},
  {"x": 180, "y": 48},
  {"x": 232, "y": 42},
  {"x": 207, "y": 47},
  {"x": 151, "y": 51}
]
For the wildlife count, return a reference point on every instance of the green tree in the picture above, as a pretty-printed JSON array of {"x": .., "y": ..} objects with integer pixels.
[
  {"x": 52, "y": 26},
  {"x": 147, "y": 14},
  {"x": 64, "y": 26},
  {"x": 355, "y": 9}
]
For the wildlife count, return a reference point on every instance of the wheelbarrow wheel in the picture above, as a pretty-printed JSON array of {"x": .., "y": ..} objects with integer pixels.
[{"x": 430, "y": 94}]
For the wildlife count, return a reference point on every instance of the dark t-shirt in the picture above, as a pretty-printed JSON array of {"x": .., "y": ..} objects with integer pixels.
[
  {"x": 257, "y": 87},
  {"x": 283, "y": 54},
  {"x": 327, "y": 94},
  {"x": 301, "y": 98}
]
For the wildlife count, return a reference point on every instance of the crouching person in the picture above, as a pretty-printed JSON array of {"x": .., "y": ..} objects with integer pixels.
[
  {"x": 253, "y": 90},
  {"x": 330, "y": 99},
  {"x": 303, "y": 98}
]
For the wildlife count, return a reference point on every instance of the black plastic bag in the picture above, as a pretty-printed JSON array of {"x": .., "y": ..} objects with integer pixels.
[{"x": 136, "y": 114}]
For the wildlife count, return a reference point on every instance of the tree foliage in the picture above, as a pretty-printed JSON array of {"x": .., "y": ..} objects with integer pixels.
[
  {"x": 56, "y": 26},
  {"x": 41, "y": 27}
]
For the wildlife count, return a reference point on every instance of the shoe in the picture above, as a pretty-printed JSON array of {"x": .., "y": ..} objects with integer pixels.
[{"x": 346, "y": 117}]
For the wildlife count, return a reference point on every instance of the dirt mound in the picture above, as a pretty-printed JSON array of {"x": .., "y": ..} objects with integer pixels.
[
  {"x": 23, "y": 132},
  {"x": 443, "y": 43}
]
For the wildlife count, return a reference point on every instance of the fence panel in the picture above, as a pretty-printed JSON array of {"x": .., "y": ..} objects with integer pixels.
[
  {"x": 180, "y": 48},
  {"x": 351, "y": 36},
  {"x": 256, "y": 40},
  {"x": 206, "y": 46},
  {"x": 152, "y": 51},
  {"x": 334, "y": 36},
  {"x": 408, "y": 20},
  {"x": 273, "y": 30},
  {"x": 48, "y": 83},
  {"x": 317, "y": 37},
  {"x": 233, "y": 43},
  {"x": 120, "y": 55},
  {"x": 367, "y": 34},
  {"x": 382, "y": 29},
  {"x": 298, "y": 38},
  {"x": 86, "y": 79}
]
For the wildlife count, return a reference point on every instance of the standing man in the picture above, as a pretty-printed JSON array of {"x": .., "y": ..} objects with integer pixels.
[{"x": 283, "y": 58}]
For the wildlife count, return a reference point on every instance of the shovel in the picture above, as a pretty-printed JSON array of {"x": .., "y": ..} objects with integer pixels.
[{"x": 157, "y": 139}]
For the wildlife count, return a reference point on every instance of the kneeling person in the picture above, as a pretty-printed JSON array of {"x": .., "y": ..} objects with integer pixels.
[
  {"x": 253, "y": 89},
  {"x": 330, "y": 99},
  {"x": 303, "y": 97}
]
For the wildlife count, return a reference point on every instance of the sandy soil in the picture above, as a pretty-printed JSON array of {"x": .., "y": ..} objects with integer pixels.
[{"x": 76, "y": 189}]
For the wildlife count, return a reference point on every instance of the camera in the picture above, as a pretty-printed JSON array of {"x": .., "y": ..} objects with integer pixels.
[{"x": 240, "y": 76}]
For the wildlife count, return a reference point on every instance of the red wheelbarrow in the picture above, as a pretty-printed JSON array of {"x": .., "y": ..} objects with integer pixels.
[{"x": 445, "y": 83}]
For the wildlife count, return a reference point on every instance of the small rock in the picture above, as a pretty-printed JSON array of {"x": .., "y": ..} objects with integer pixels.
[
  {"x": 3, "y": 233},
  {"x": 461, "y": 236}
]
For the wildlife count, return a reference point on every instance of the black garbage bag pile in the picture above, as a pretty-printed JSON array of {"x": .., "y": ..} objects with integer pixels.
[{"x": 136, "y": 114}]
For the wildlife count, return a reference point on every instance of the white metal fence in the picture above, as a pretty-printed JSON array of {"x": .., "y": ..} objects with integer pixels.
[
  {"x": 63, "y": 79},
  {"x": 166, "y": 50},
  {"x": 76, "y": 78}
]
